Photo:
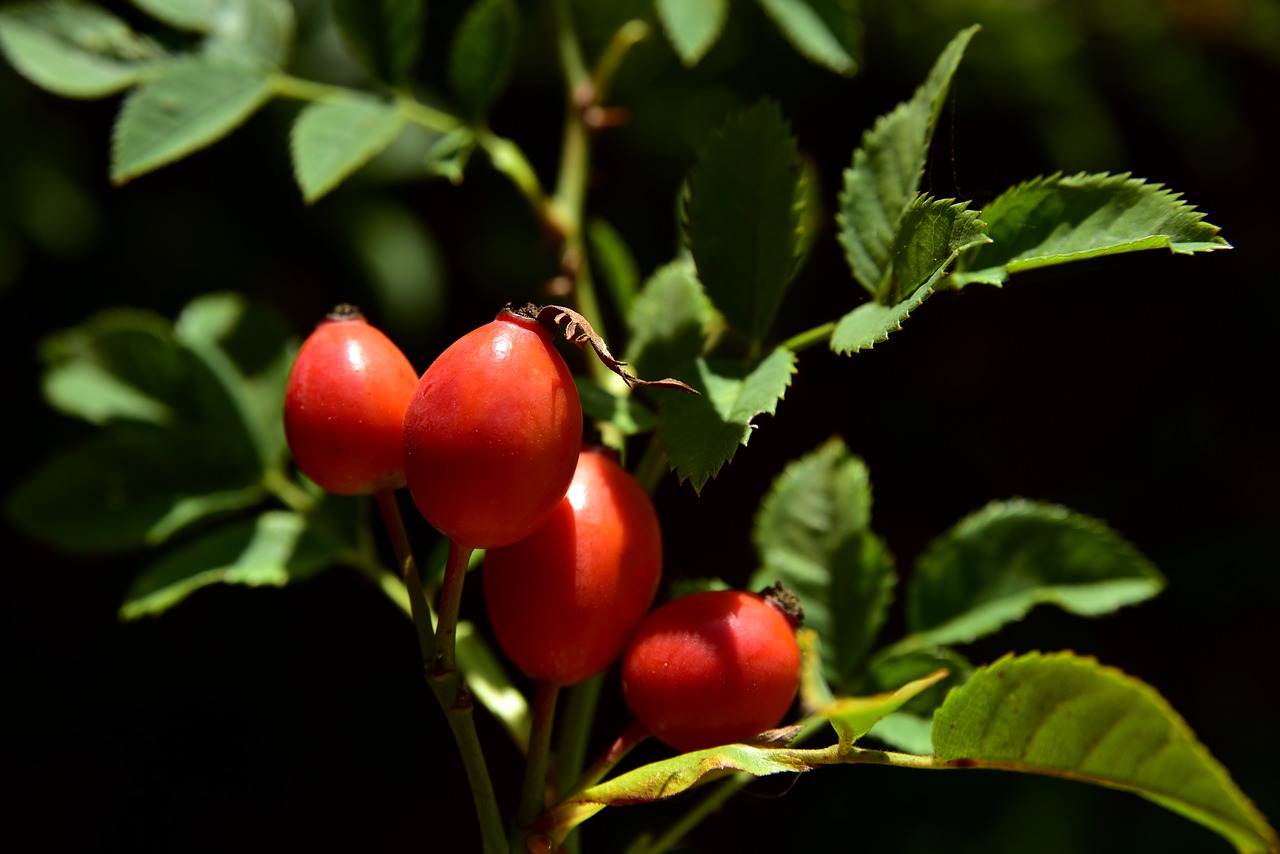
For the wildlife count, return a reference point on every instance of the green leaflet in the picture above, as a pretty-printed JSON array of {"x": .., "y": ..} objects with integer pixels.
[
  {"x": 997, "y": 564},
  {"x": 1059, "y": 218},
  {"x": 329, "y": 141},
  {"x": 823, "y": 31},
  {"x": 383, "y": 34},
  {"x": 481, "y": 53},
  {"x": 669, "y": 322},
  {"x": 692, "y": 26},
  {"x": 1069, "y": 716}
]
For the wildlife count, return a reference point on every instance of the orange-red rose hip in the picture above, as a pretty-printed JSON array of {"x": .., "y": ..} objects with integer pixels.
[{"x": 344, "y": 405}]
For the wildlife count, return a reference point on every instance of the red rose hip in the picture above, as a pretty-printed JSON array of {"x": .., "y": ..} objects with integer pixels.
[
  {"x": 712, "y": 668},
  {"x": 492, "y": 433},
  {"x": 563, "y": 600},
  {"x": 344, "y": 405}
]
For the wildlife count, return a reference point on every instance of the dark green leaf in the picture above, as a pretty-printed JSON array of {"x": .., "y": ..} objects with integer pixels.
[
  {"x": 481, "y": 53},
  {"x": 199, "y": 16},
  {"x": 669, "y": 322},
  {"x": 1061, "y": 218},
  {"x": 931, "y": 234},
  {"x": 885, "y": 176},
  {"x": 272, "y": 550},
  {"x": 625, "y": 413},
  {"x": 700, "y": 433},
  {"x": 384, "y": 34},
  {"x": 193, "y": 104},
  {"x": 615, "y": 264},
  {"x": 72, "y": 49},
  {"x": 997, "y": 564},
  {"x": 332, "y": 140},
  {"x": 448, "y": 155},
  {"x": 131, "y": 486},
  {"x": 744, "y": 216},
  {"x": 1068, "y": 716},
  {"x": 823, "y": 31},
  {"x": 812, "y": 534},
  {"x": 692, "y": 26}
]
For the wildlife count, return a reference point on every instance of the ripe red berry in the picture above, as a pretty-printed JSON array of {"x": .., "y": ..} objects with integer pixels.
[
  {"x": 564, "y": 600},
  {"x": 344, "y": 405},
  {"x": 712, "y": 668},
  {"x": 492, "y": 433}
]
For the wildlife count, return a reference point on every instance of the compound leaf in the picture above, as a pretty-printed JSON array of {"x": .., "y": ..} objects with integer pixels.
[
  {"x": 669, "y": 322},
  {"x": 1061, "y": 218},
  {"x": 1000, "y": 562},
  {"x": 812, "y": 534},
  {"x": 743, "y": 216},
  {"x": 700, "y": 433},
  {"x": 1065, "y": 715},
  {"x": 330, "y": 141},
  {"x": 193, "y": 104}
]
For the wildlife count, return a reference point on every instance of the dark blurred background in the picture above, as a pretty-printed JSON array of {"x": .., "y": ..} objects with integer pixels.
[{"x": 1133, "y": 389}]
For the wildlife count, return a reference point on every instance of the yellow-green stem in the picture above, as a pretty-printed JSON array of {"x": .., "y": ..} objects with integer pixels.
[{"x": 533, "y": 791}]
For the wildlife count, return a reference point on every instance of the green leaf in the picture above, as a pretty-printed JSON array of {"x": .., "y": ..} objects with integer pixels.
[
  {"x": 812, "y": 534},
  {"x": 692, "y": 26},
  {"x": 885, "y": 176},
  {"x": 193, "y": 104},
  {"x": 383, "y": 34},
  {"x": 1064, "y": 715},
  {"x": 199, "y": 16},
  {"x": 854, "y": 717},
  {"x": 131, "y": 486},
  {"x": 908, "y": 728},
  {"x": 1000, "y": 562},
  {"x": 481, "y": 53},
  {"x": 700, "y": 433},
  {"x": 743, "y": 216},
  {"x": 626, "y": 413},
  {"x": 931, "y": 234},
  {"x": 449, "y": 154},
  {"x": 488, "y": 681},
  {"x": 615, "y": 264},
  {"x": 255, "y": 30},
  {"x": 823, "y": 31},
  {"x": 332, "y": 140},
  {"x": 872, "y": 322},
  {"x": 272, "y": 550},
  {"x": 669, "y": 322},
  {"x": 74, "y": 50},
  {"x": 1060, "y": 218}
]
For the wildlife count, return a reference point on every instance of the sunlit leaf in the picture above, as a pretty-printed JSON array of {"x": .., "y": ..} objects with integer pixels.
[
  {"x": 692, "y": 26},
  {"x": 489, "y": 682},
  {"x": 821, "y": 30},
  {"x": 669, "y": 322},
  {"x": 1065, "y": 218},
  {"x": 1068, "y": 716},
  {"x": 331, "y": 140}
]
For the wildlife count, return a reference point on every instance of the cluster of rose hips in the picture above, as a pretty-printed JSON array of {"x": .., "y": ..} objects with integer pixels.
[{"x": 489, "y": 442}]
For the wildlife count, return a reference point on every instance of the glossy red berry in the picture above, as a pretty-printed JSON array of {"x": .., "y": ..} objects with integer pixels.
[
  {"x": 344, "y": 405},
  {"x": 492, "y": 433},
  {"x": 712, "y": 668},
  {"x": 564, "y": 600}
]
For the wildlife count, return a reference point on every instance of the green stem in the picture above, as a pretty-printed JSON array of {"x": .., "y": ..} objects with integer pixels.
[
  {"x": 628, "y": 36},
  {"x": 635, "y": 733},
  {"x": 419, "y": 607},
  {"x": 455, "y": 573},
  {"x": 286, "y": 489},
  {"x": 575, "y": 730},
  {"x": 652, "y": 466},
  {"x": 809, "y": 337},
  {"x": 533, "y": 791}
]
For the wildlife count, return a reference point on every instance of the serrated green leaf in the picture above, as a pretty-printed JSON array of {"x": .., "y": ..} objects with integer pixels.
[
  {"x": 931, "y": 235},
  {"x": 489, "y": 682},
  {"x": 823, "y": 31},
  {"x": 625, "y": 413},
  {"x": 692, "y": 26},
  {"x": 812, "y": 534},
  {"x": 131, "y": 486},
  {"x": 1000, "y": 562},
  {"x": 272, "y": 550},
  {"x": 331, "y": 140},
  {"x": 668, "y": 322},
  {"x": 254, "y": 30},
  {"x": 615, "y": 264},
  {"x": 743, "y": 216},
  {"x": 383, "y": 34},
  {"x": 193, "y": 104},
  {"x": 854, "y": 717},
  {"x": 885, "y": 176},
  {"x": 700, "y": 433},
  {"x": 1064, "y": 715},
  {"x": 1057, "y": 219},
  {"x": 199, "y": 16},
  {"x": 871, "y": 323},
  {"x": 481, "y": 53},
  {"x": 908, "y": 729},
  {"x": 74, "y": 50}
]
